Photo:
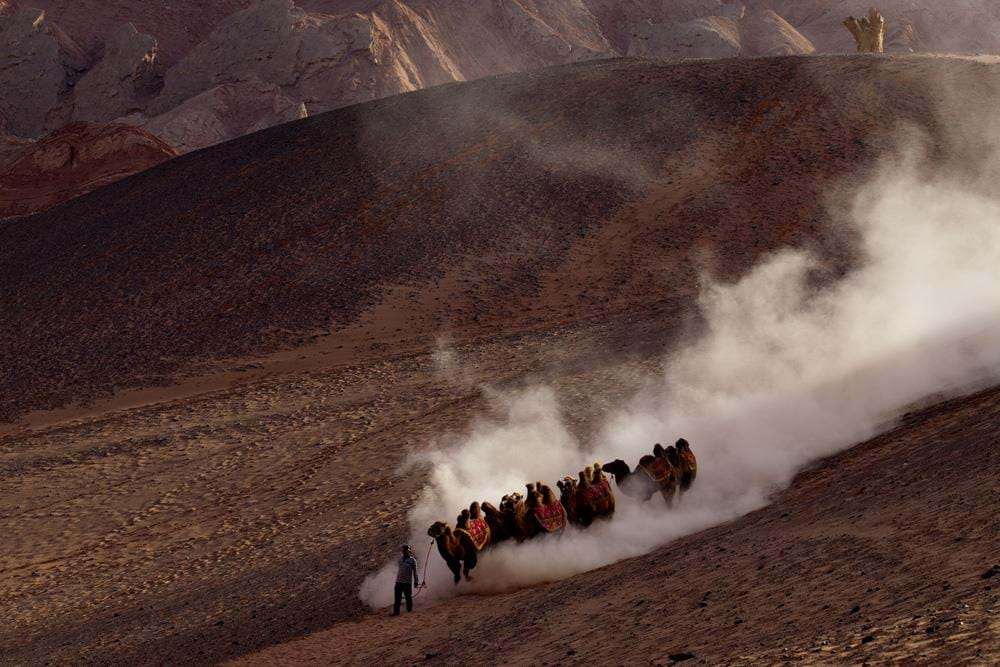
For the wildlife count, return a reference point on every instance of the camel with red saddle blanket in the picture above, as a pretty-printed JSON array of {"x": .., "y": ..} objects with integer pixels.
[{"x": 582, "y": 500}]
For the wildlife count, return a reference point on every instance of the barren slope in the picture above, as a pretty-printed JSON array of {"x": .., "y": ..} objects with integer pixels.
[
  {"x": 886, "y": 553},
  {"x": 543, "y": 221},
  {"x": 460, "y": 207}
]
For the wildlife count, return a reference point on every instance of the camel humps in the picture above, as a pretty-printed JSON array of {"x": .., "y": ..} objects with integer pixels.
[
  {"x": 456, "y": 548},
  {"x": 581, "y": 501}
]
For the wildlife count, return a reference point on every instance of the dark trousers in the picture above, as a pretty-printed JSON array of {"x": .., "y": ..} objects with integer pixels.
[{"x": 401, "y": 590}]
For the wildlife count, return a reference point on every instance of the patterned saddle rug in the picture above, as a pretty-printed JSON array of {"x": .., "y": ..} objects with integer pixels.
[
  {"x": 478, "y": 531},
  {"x": 656, "y": 468},
  {"x": 689, "y": 458},
  {"x": 551, "y": 517},
  {"x": 599, "y": 496}
]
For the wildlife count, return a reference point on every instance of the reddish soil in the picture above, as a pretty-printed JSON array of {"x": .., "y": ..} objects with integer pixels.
[
  {"x": 554, "y": 224},
  {"x": 72, "y": 161},
  {"x": 886, "y": 553},
  {"x": 567, "y": 194}
]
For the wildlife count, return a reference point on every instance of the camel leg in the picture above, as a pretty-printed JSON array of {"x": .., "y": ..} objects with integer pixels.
[
  {"x": 456, "y": 569},
  {"x": 470, "y": 562},
  {"x": 668, "y": 495}
]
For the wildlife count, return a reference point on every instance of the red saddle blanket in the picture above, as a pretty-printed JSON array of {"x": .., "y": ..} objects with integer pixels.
[
  {"x": 599, "y": 496},
  {"x": 658, "y": 469},
  {"x": 551, "y": 517},
  {"x": 478, "y": 531}
]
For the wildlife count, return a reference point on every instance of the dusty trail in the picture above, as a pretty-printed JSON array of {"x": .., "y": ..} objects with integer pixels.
[
  {"x": 194, "y": 529},
  {"x": 882, "y": 553}
]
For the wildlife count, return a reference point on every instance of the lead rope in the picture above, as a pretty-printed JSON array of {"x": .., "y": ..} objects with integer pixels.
[{"x": 423, "y": 580}]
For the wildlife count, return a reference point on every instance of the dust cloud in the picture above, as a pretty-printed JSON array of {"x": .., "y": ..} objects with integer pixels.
[{"x": 787, "y": 370}]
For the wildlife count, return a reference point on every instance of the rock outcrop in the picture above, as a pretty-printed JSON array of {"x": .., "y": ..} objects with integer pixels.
[
  {"x": 709, "y": 37},
  {"x": 736, "y": 32},
  {"x": 74, "y": 160},
  {"x": 118, "y": 83},
  {"x": 35, "y": 61},
  {"x": 273, "y": 41},
  {"x": 765, "y": 33},
  {"x": 224, "y": 112},
  {"x": 868, "y": 32},
  {"x": 200, "y": 74}
]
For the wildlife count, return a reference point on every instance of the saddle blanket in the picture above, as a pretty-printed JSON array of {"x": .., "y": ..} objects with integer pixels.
[
  {"x": 599, "y": 496},
  {"x": 551, "y": 517},
  {"x": 658, "y": 469},
  {"x": 478, "y": 531}
]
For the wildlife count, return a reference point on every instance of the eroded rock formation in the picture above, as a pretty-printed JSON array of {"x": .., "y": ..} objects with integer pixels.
[
  {"x": 118, "y": 83},
  {"x": 35, "y": 59},
  {"x": 224, "y": 112},
  {"x": 74, "y": 160},
  {"x": 735, "y": 31},
  {"x": 868, "y": 31}
]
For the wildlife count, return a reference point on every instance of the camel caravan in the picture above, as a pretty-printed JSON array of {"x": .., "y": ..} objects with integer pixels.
[{"x": 582, "y": 500}]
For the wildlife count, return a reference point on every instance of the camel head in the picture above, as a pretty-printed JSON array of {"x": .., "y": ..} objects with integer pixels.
[
  {"x": 489, "y": 509},
  {"x": 617, "y": 468},
  {"x": 439, "y": 529}
]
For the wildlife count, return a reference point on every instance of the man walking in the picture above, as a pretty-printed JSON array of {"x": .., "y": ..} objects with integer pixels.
[{"x": 406, "y": 574}]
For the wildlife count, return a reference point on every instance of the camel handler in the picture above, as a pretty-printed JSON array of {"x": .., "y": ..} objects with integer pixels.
[{"x": 406, "y": 574}]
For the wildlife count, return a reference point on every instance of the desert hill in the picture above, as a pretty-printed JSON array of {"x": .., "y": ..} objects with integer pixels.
[
  {"x": 200, "y": 74},
  {"x": 277, "y": 301},
  {"x": 523, "y": 199}
]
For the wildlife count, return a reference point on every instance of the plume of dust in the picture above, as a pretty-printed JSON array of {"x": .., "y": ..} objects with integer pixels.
[{"x": 785, "y": 373}]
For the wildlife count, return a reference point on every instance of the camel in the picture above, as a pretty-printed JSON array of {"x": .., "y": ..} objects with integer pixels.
[
  {"x": 600, "y": 479},
  {"x": 654, "y": 474},
  {"x": 532, "y": 501},
  {"x": 594, "y": 498},
  {"x": 567, "y": 496},
  {"x": 456, "y": 548},
  {"x": 549, "y": 515},
  {"x": 688, "y": 464},
  {"x": 499, "y": 530},
  {"x": 512, "y": 508},
  {"x": 474, "y": 524}
]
